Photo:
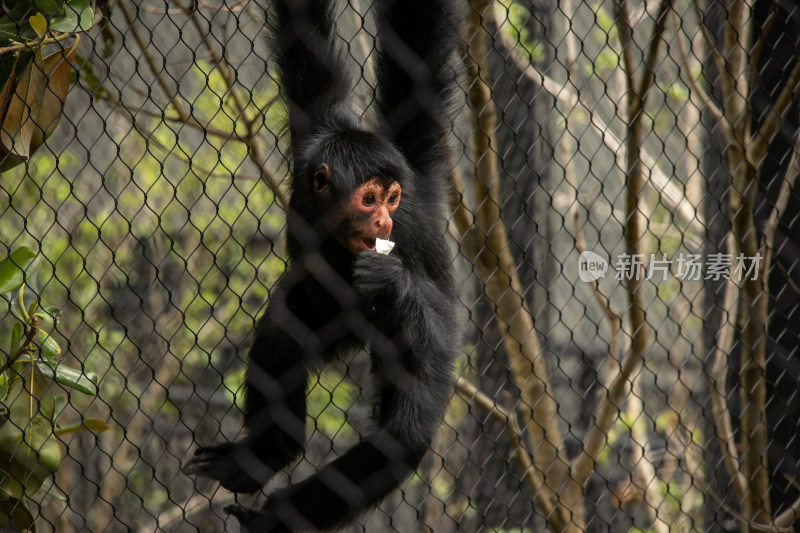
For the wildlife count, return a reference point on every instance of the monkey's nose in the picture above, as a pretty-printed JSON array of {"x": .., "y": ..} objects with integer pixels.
[{"x": 383, "y": 224}]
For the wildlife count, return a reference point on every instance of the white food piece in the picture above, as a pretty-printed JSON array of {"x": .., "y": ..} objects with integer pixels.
[{"x": 383, "y": 246}]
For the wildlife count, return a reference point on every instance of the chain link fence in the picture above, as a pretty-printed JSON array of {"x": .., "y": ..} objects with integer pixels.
[{"x": 623, "y": 225}]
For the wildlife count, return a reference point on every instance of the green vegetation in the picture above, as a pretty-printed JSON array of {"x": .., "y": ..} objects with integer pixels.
[{"x": 29, "y": 444}]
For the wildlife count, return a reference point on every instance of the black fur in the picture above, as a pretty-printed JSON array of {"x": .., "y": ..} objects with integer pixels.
[{"x": 330, "y": 302}]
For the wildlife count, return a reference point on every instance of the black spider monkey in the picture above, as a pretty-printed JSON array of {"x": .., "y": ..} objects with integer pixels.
[{"x": 351, "y": 186}]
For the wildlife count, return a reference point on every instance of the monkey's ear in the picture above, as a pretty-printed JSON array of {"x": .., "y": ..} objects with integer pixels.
[{"x": 322, "y": 179}]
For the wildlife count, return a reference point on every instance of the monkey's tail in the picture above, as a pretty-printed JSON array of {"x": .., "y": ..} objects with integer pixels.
[{"x": 343, "y": 489}]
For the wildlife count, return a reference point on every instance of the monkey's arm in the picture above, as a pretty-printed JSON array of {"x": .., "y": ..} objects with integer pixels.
[
  {"x": 416, "y": 75},
  {"x": 312, "y": 71}
]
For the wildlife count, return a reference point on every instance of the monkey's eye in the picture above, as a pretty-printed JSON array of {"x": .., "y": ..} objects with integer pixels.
[
  {"x": 368, "y": 199},
  {"x": 393, "y": 199}
]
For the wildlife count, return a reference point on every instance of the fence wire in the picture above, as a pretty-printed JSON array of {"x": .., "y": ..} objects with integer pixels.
[{"x": 623, "y": 225}]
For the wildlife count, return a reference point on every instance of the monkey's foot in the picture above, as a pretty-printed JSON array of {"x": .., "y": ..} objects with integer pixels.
[
  {"x": 254, "y": 521},
  {"x": 234, "y": 466}
]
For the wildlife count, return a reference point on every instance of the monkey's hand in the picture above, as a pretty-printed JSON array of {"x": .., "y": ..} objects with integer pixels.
[
  {"x": 376, "y": 275},
  {"x": 230, "y": 464}
]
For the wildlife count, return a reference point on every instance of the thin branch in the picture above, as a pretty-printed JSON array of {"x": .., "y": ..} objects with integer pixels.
[
  {"x": 31, "y": 333},
  {"x": 743, "y": 162},
  {"x": 255, "y": 150},
  {"x": 626, "y": 41},
  {"x": 506, "y": 417},
  {"x": 773, "y": 527},
  {"x": 215, "y": 8},
  {"x": 199, "y": 170},
  {"x": 634, "y": 231},
  {"x": 144, "y": 130},
  {"x": 735, "y": 76},
  {"x": 651, "y": 59},
  {"x": 192, "y": 122},
  {"x": 462, "y": 217},
  {"x": 790, "y": 515},
  {"x": 614, "y": 318},
  {"x": 696, "y": 89},
  {"x": 40, "y": 42},
  {"x": 711, "y": 44},
  {"x": 222, "y": 66},
  {"x": 717, "y": 378},
  {"x": 172, "y": 97},
  {"x": 172, "y": 518}
]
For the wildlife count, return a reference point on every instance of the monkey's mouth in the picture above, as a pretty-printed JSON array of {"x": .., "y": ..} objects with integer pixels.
[{"x": 371, "y": 243}]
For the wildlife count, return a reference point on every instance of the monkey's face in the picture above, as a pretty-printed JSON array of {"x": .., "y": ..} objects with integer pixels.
[
  {"x": 370, "y": 213},
  {"x": 363, "y": 216}
]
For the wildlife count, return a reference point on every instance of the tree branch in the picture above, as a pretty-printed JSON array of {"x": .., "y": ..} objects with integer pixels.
[
  {"x": 506, "y": 417},
  {"x": 486, "y": 246},
  {"x": 614, "y": 318},
  {"x": 696, "y": 90},
  {"x": 172, "y": 97},
  {"x": 717, "y": 378},
  {"x": 670, "y": 194}
]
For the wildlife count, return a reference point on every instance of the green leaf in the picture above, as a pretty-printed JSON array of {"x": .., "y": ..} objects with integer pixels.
[
  {"x": 49, "y": 7},
  {"x": 54, "y": 311},
  {"x": 77, "y": 16},
  {"x": 39, "y": 24},
  {"x": 33, "y": 306},
  {"x": 14, "y": 513},
  {"x": 18, "y": 9},
  {"x": 13, "y": 268},
  {"x": 81, "y": 382},
  {"x": 95, "y": 425},
  {"x": 16, "y": 336},
  {"x": 29, "y": 450},
  {"x": 50, "y": 348},
  {"x": 32, "y": 273},
  {"x": 49, "y": 316}
]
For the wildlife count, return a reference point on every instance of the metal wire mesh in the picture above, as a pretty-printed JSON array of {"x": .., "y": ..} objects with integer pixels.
[{"x": 624, "y": 228}]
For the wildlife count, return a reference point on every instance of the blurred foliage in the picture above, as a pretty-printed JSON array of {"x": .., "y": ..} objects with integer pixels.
[
  {"x": 517, "y": 27},
  {"x": 330, "y": 397},
  {"x": 29, "y": 445},
  {"x": 158, "y": 265}
]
